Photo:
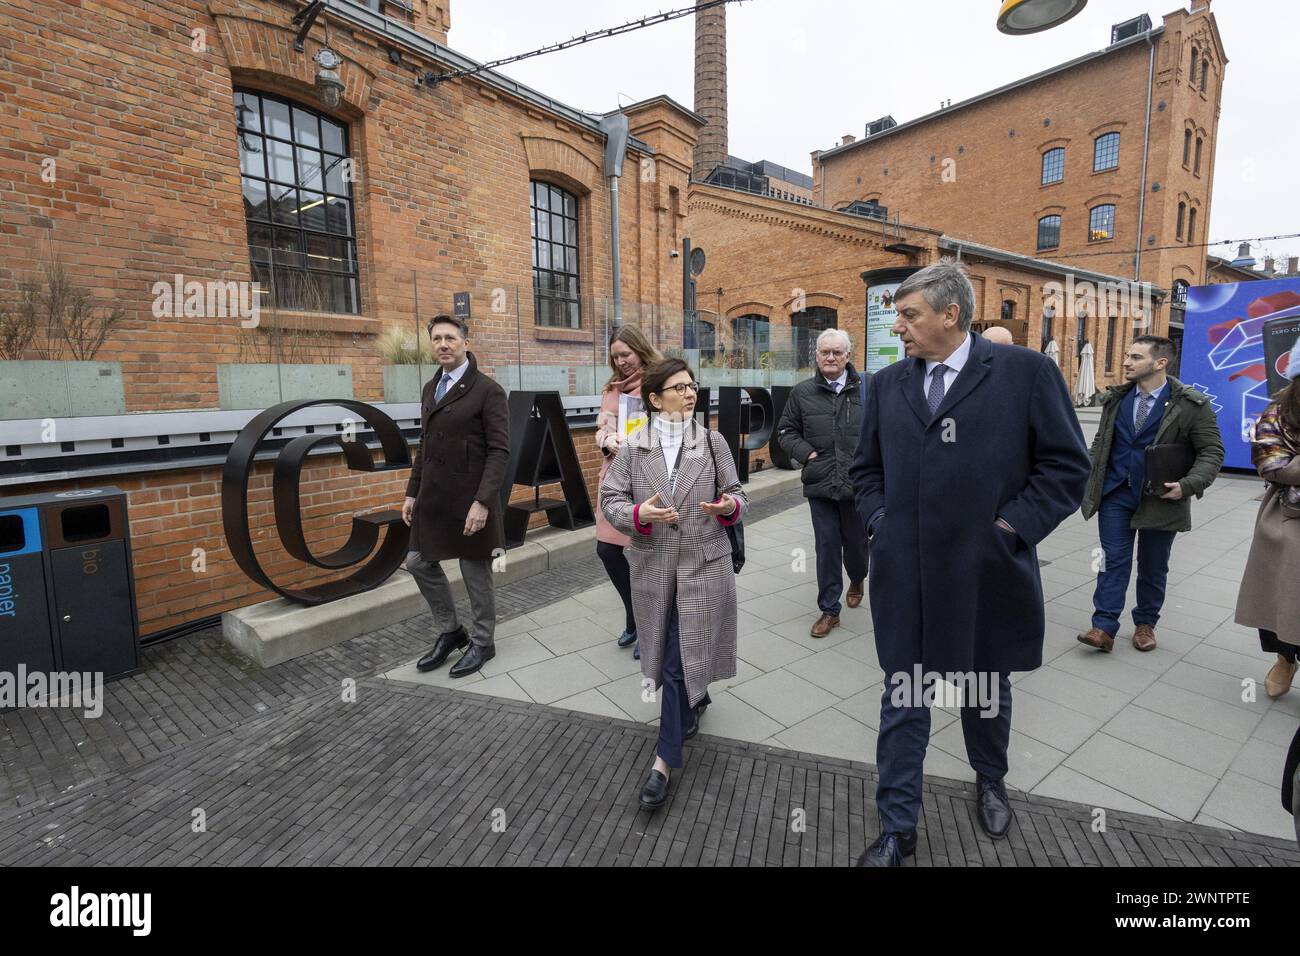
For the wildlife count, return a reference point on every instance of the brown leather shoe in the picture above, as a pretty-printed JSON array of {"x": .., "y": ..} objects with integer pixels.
[
  {"x": 824, "y": 625},
  {"x": 1096, "y": 637},
  {"x": 1278, "y": 681},
  {"x": 853, "y": 597},
  {"x": 1144, "y": 637}
]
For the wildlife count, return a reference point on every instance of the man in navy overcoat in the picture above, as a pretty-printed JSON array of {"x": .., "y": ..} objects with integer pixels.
[{"x": 970, "y": 454}]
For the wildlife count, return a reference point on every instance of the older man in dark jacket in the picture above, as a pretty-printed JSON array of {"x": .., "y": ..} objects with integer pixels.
[
  {"x": 819, "y": 429},
  {"x": 970, "y": 455},
  {"x": 453, "y": 498}
]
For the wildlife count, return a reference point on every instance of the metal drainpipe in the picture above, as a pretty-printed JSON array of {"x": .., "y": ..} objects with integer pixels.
[
  {"x": 1146, "y": 141},
  {"x": 615, "y": 128}
]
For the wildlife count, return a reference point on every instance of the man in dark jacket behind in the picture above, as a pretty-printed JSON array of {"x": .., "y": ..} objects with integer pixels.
[
  {"x": 1153, "y": 408},
  {"x": 453, "y": 498},
  {"x": 819, "y": 429}
]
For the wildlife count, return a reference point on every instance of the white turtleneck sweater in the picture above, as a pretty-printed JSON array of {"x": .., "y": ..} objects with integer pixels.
[{"x": 670, "y": 435}]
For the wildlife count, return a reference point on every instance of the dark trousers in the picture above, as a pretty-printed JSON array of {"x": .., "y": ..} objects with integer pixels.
[
  {"x": 903, "y": 738},
  {"x": 675, "y": 711},
  {"x": 839, "y": 537},
  {"x": 616, "y": 566},
  {"x": 1153, "y": 549},
  {"x": 1269, "y": 642}
]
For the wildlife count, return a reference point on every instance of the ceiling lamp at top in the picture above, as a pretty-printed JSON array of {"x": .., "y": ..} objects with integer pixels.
[{"x": 1031, "y": 16}]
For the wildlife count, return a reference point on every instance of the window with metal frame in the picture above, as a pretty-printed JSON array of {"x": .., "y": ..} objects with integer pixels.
[
  {"x": 1049, "y": 232},
  {"x": 557, "y": 297},
  {"x": 751, "y": 336},
  {"x": 1191, "y": 225},
  {"x": 1101, "y": 222},
  {"x": 1110, "y": 343},
  {"x": 1182, "y": 216},
  {"x": 805, "y": 327},
  {"x": 298, "y": 203},
  {"x": 1105, "y": 152},
  {"x": 1196, "y": 166},
  {"x": 1187, "y": 147},
  {"x": 1054, "y": 165}
]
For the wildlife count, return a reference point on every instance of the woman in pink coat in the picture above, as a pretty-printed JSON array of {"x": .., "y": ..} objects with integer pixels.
[{"x": 630, "y": 353}]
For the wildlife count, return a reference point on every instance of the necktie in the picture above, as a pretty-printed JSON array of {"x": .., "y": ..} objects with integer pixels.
[
  {"x": 935, "y": 395},
  {"x": 1144, "y": 409},
  {"x": 836, "y": 386},
  {"x": 441, "y": 390}
]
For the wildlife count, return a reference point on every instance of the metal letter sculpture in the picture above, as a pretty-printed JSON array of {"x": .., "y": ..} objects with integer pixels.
[{"x": 288, "y": 518}]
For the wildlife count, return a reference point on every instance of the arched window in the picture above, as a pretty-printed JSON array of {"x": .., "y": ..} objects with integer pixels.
[
  {"x": 1191, "y": 225},
  {"x": 556, "y": 288},
  {"x": 1105, "y": 152},
  {"x": 1182, "y": 216},
  {"x": 1054, "y": 165},
  {"x": 751, "y": 336},
  {"x": 1049, "y": 232},
  {"x": 1205, "y": 72},
  {"x": 1187, "y": 147},
  {"x": 805, "y": 327},
  {"x": 1178, "y": 297},
  {"x": 1196, "y": 59},
  {"x": 294, "y": 168},
  {"x": 1196, "y": 166},
  {"x": 1101, "y": 222}
]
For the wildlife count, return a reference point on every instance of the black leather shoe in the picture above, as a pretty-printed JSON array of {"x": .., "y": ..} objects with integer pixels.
[
  {"x": 697, "y": 712},
  {"x": 994, "y": 810},
  {"x": 655, "y": 791},
  {"x": 447, "y": 642},
  {"x": 473, "y": 659},
  {"x": 627, "y": 639},
  {"x": 636, "y": 652},
  {"x": 889, "y": 849}
]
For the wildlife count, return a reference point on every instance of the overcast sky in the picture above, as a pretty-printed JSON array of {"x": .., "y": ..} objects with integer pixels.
[{"x": 803, "y": 72}]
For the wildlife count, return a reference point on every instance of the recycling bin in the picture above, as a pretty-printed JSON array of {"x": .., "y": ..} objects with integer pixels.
[
  {"x": 26, "y": 634},
  {"x": 76, "y": 587}
]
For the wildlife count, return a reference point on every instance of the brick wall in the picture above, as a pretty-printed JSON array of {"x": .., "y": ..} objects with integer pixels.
[
  {"x": 976, "y": 171},
  {"x": 140, "y": 128}
]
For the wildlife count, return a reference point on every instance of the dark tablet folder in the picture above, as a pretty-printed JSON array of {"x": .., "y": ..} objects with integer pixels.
[{"x": 1167, "y": 463}]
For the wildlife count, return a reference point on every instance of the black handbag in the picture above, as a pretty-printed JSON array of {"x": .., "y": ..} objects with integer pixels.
[{"x": 736, "y": 531}]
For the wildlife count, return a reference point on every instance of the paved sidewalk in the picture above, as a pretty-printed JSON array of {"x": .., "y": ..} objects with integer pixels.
[
  {"x": 412, "y": 775},
  {"x": 1165, "y": 733}
]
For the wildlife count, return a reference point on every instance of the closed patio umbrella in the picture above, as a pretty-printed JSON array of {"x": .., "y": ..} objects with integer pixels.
[{"x": 1086, "y": 386}]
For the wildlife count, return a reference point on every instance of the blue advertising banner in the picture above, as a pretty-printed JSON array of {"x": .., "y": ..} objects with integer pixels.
[{"x": 1224, "y": 333}]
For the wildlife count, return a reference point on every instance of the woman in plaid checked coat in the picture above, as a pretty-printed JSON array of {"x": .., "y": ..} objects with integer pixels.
[{"x": 664, "y": 491}]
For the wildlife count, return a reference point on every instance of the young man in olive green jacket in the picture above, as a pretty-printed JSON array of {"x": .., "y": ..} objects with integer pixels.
[{"x": 1153, "y": 408}]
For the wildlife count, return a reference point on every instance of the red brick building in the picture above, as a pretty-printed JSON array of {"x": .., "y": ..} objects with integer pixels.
[
  {"x": 153, "y": 149},
  {"x": 1104, "y": 162}
]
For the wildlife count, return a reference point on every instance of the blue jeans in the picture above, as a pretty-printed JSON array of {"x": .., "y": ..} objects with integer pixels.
[{"x": 1153, "y": 547}]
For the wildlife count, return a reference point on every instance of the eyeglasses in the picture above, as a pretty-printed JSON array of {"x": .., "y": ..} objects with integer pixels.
[
  {"x": 681, "y": 387},
  {"x": 832, "y": 353}
]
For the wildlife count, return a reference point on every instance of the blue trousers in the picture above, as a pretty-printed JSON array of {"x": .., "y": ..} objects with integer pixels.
[
  {"x": 675, "y": 711},
  {"x": 1153, "y": 547},
  {"x": 900, "y": 752},
  {"x": 838, "y": 536}
]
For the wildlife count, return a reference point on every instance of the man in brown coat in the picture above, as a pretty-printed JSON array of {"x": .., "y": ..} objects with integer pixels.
[{"x": 453, "y": 500}]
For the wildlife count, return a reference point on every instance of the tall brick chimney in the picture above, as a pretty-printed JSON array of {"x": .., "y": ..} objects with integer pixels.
[{"x": 710, "y": 88}]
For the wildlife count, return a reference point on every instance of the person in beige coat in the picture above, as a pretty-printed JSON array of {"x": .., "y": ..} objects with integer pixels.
[
  {"x": 672, "y": 488},
  {"x": 1269, "y": 598}
]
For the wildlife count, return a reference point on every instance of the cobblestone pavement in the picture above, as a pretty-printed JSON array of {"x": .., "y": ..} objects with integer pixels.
[
  {"x": 422, "y": 775},
  {"x": 284, "y": 770}
]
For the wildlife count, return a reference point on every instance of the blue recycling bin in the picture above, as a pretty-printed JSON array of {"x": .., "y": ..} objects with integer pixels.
[
  {"x": 67, "y": 592},
  {"x": 25, "y": 627}
]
